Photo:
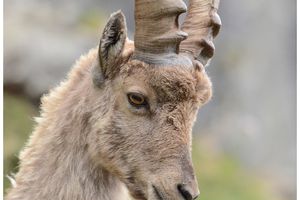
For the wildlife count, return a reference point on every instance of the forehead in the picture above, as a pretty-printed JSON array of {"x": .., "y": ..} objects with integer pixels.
[
  {"x": 170, "y": 83},
  {"x": 173, "y": 84}
]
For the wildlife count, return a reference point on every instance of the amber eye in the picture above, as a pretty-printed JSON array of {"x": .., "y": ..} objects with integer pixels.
[{"x": 137, "y": 99}]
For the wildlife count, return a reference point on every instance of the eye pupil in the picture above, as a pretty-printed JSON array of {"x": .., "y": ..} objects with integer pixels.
[{"x": 136, "y": 99}]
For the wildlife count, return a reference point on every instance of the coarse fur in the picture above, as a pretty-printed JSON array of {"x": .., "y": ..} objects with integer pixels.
[{"x": 90, "y": 143}]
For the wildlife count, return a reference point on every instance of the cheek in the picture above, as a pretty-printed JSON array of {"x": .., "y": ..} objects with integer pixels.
[
  {"x": 135, "y": 128},
  {"x": 131, "y": 122},
  {"x": 113, "y": 146}
]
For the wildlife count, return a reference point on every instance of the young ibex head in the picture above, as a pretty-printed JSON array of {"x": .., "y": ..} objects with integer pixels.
[{"x": 154, "y": 89}]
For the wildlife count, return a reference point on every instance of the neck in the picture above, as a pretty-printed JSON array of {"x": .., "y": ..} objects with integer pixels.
[{"x": 56, "y": 163}]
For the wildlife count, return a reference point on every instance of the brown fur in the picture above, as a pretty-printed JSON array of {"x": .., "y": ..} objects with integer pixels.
[{"x": 90, "y": 143}]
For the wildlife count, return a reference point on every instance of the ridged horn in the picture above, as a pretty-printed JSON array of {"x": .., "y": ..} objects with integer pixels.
[
  {"x": 156, "y": 27},
  {"x": 202, "y": 24}
]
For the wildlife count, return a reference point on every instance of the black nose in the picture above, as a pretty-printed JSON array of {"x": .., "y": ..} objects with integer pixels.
[{"x": 186, "y": 192}]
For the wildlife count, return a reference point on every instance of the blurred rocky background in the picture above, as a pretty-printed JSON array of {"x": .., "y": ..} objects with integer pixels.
[{"x": 244, "y": 139}]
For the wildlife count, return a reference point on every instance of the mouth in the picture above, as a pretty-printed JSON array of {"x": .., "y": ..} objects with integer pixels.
[{"x": 157, "y": 193}]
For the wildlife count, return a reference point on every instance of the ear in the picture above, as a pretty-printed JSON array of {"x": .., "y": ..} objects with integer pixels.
[{"x": 112, "y": 44}]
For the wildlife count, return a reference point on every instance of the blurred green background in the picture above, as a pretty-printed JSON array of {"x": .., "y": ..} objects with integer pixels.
[{"x": 244, "y": 140}]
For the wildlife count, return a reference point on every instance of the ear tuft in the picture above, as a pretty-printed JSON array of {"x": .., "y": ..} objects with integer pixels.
[{"x": 112, "y": 43}]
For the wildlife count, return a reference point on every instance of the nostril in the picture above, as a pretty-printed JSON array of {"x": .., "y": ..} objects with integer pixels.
[{"x": 185, "y": 192}]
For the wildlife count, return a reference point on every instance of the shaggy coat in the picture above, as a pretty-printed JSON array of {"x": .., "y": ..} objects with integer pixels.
[{"x": 90, "y": 143}]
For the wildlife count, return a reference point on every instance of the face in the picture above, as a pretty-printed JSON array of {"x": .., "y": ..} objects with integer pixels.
[
  {"x": 142, "y": 134},
  {"x": 148, "y": 132}
]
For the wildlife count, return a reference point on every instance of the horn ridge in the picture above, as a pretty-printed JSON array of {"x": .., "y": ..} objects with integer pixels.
[
  {"x": 202, "y": 24},
  {"x": 156, "y": 26}
]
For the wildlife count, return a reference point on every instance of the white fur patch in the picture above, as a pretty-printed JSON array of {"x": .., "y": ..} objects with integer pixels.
[{"x": 12, "y": 180}]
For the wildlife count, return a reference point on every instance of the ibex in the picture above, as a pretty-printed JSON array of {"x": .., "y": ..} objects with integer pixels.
[{"x": 120, "y": 126}]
